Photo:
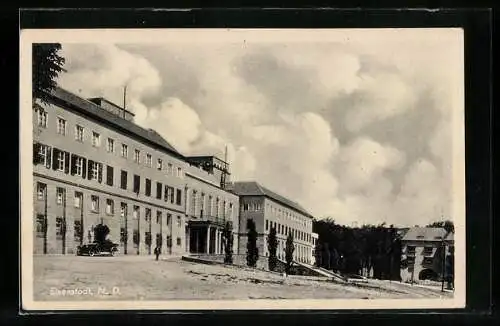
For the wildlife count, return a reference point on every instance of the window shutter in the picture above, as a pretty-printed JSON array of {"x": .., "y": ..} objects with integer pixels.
[
  {"x": 73, "y": 164},
  {"x": 36, "y": 155},
  {"x": 55, "y": 151},
  {"x": 89, "y": 174},
  {"x": 66, "y": 162},
  {"x": 84, "y": 168},
  {"x": 99, "y": 166},
  {"x": 48, "y": 156}
]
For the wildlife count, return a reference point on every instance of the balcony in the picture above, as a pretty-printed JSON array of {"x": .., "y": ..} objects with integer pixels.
[{"x": 208, "y": 220}]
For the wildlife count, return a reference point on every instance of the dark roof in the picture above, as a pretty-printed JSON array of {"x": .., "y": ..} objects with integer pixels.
[
  {"x": 90, "y": 108},
  {"x": 425, "y": 234},
  {"x": 99, "y": 99},
  {"x": 252, "y": 188}
]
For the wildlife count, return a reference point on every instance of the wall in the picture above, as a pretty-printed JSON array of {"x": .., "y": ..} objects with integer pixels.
[{"x": 72, "y": 183}]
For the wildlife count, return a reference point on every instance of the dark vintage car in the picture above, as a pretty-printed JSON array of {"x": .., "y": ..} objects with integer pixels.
[{"x": 107, "y": 248}]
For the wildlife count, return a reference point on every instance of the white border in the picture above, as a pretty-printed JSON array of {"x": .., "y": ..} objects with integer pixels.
[{"x": 27, "y": 37}]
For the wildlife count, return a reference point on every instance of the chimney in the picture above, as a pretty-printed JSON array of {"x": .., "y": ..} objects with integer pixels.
[{"x": 113, "y": 108}]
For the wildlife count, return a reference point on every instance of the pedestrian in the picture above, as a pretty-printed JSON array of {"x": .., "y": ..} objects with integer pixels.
[{"x": 157, "y": 252}]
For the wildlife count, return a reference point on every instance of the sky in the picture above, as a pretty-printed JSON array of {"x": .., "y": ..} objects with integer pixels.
[{"x": 358, "y": 128}]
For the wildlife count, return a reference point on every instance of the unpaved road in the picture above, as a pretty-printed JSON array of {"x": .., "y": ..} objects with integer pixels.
[{"x": 142, "y": 278}]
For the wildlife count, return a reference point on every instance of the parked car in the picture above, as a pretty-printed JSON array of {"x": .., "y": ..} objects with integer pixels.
[{"x": 106, "y": 248}]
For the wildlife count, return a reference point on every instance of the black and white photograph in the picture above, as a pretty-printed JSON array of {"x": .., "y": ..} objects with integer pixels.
[{"x": 242, "y": 169}]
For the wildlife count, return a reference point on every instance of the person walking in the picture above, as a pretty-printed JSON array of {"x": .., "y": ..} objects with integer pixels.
[{"x": 157, "y": 252}]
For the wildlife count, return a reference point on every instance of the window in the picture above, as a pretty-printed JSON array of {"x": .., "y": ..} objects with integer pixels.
[
  {"x": 178, "y": 198},
  {"x": 123, "y": 180},
  {"x": 60, "y": 161},
  {"x": 109, "y": 175},
  {"x": 169, "y": 219},
  {"x": 42, "y": 153},
  {"x": 410, "y": 250},
  {"x": 193, "y": 203},
  {"x": 60, "y": 227},
  {"x": 147, "y": 216},
  {"x": 136, "y": 238},
  {"x": 41, "y": 117},
  {"x": 96, "y": 139},
  {"x": 147, "y": 191},
  {"x": 79, "y": 133},
  {"x": 279, "y": 229},
  {"x": 179, "y": 172},
  {"x": 124, "y": 151},
  {"x": 158, "y": 217},
  {"x": 149, "y": 160},
  {"x": 110, "y": 206},
  {"x": 137, "y": 156},
  {"x": 159, "y": 164},
  {"x": 245, "y": 207},
  {"x": 95, "y": 171},
  {"x": 95, "y": 203},
  {"x": 428, "y": 250},
  {"x": 123, "y": 209},
  {"x": 136, "y": 213},
  {"x": 165, "y": 194},
  {"x": 170, "y": 169},
  {"x": 202, "y": 203},
  {"x": 78, "y": 199},
  {"x": 61, "y": 126},
  {"x": 210, "y": 205},
  {"x": 267, "y": 225},
  {"x": 111, "y": 145},
  {"x": 78, "y": 230},
  {"x": 159, "y": 190},
  {"x": 41, "y": 189},
  {"x": 137, "y": 183},
  {"x": 59, "y": 195},
  {"x": 171, "y": 194},
  {"x": 178, "y": 241},
  {"x": 78, "y": 165},
  {"x": 179, "y": 222},
  {"x": 231, "y": 210}
]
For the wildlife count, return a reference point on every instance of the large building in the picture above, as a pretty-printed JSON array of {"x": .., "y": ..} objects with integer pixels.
[
  {"x": 422, "y": 253},
  {"x": 269, "y": 209},
  {"x": 93, "y": 165}
]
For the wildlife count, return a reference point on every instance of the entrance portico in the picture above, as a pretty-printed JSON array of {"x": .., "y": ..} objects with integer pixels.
[{"x": 206, "y": 237}]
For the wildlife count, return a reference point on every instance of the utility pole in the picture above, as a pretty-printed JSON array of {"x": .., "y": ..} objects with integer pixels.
[
  {"x": 124, "y": 100},
  {"x": 443, "y": 262}
]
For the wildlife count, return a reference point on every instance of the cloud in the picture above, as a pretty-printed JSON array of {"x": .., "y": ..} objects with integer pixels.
[
  {"x": 104, "y": 70},
  {"x": 343, "y": 128}
]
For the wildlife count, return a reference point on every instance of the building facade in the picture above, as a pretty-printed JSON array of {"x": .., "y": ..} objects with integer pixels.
[
  {"x": 269, "y": 209},
  {"x": 423, "y": 253},
  {"x": 93, "y": 165}
]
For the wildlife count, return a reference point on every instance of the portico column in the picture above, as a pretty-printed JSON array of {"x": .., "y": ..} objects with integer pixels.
[
  {"x": 219, "y": 242},
  {"x": 207, "y": 249}
]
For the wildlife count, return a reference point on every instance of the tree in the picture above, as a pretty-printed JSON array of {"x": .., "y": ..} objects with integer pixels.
[
  {"x": 272, "y": 246},
  {"x": 46, "y": 65},
  {"x": 252, "y": 250},
  {"x": 318, "y": 254},
  {"x": 447, "y": 225},
  {"x": 101, "y": 232},
  {"x": 227, "y": 235},
  {"x": 289, "y": 249}
]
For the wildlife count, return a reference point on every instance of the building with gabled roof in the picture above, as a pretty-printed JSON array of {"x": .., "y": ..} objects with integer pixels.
[
  {"x": 423, "y": 251},
  {"x": 269, "y": 209},
  {"x": 93, "y": 165}
]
